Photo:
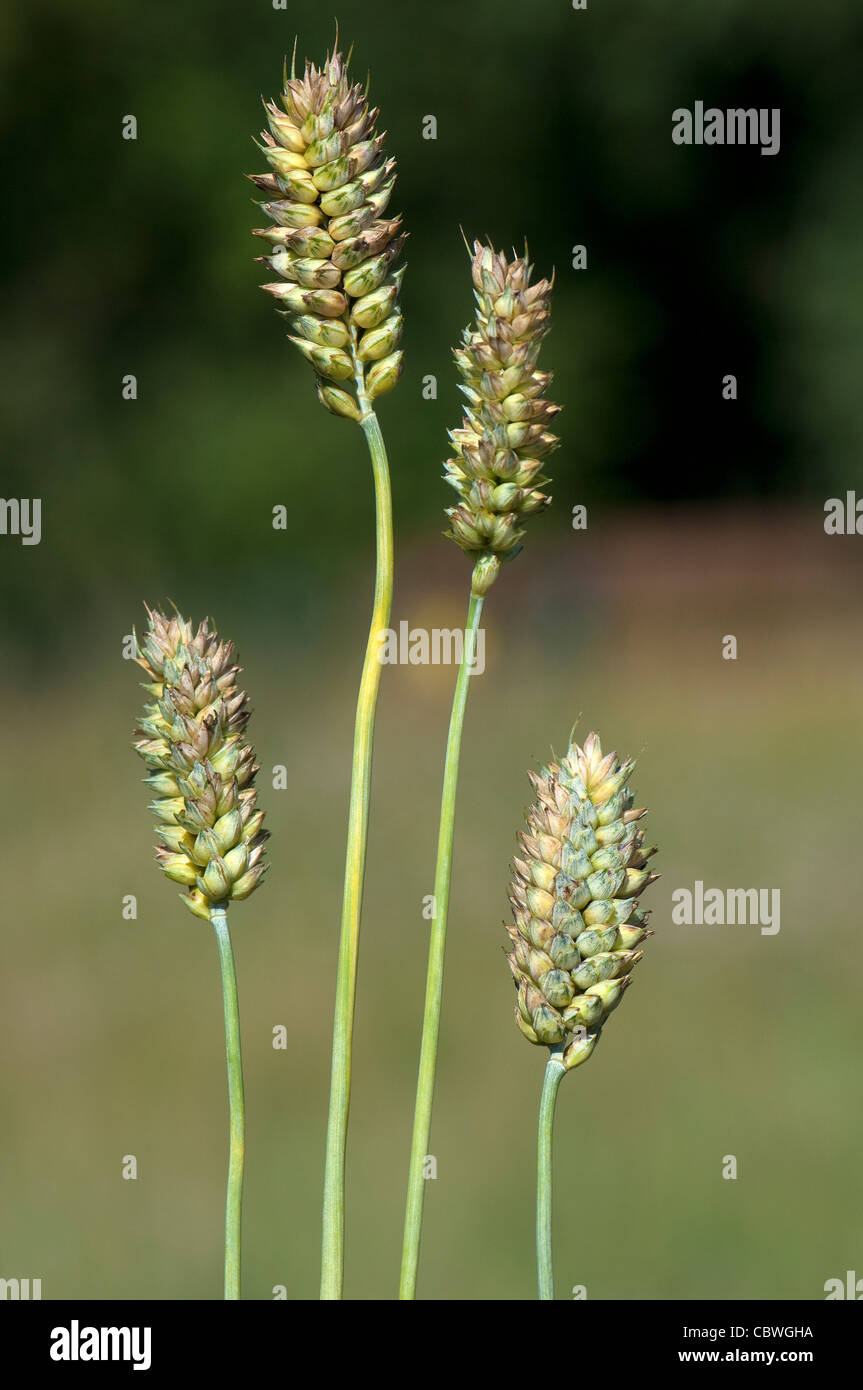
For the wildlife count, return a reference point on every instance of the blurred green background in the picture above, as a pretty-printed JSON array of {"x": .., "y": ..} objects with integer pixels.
[{"x": 704, "y": 518}]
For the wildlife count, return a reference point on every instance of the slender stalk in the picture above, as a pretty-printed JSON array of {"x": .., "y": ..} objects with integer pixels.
[
  {"x": 333, "y": 1242},
  {"x": 554, "y": 1073},
  {"x": 236, "y": 1104},
  {"x": 434, "y": 979}
]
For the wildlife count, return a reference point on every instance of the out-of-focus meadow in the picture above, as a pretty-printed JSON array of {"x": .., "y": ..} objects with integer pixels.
[
  {"x": 705, "y": 518},
  {"x": 729, "y": 1042}
]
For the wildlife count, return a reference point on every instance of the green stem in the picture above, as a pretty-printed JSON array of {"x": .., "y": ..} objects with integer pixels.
[
  {"x": 434, "y": 979},
  {"x": 554, "y": 1073},
  {"x": 333, "y": 1242},
  {"x": 236, "y": 1104}
]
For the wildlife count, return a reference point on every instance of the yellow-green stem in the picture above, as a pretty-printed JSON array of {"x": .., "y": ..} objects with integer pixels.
[
  {"x": 434, "y": 979},
  {"x": 236, "y": 1105},
  {"x": 333, "y": 1242},
  {"x": 554, "y": 1073}
]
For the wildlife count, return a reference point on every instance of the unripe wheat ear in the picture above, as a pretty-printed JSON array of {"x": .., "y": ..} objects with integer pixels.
[
  {"x": 328, "y": 188},
  {"x": 201, "y": 770},
  {"x": 504, "y": 435}
]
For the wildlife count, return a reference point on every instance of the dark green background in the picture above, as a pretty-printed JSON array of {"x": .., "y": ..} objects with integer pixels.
[{"x": 705, "y": 518}]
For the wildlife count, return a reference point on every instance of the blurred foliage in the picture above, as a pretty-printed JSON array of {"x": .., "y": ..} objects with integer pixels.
[{"x": 553, "y": 125}]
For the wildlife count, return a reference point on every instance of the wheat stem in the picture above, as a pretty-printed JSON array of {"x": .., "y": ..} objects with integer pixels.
[
  {"x": 333, "y": 1240},
  {"x": 554, "y": 1072},
  {"x": 234, "y": 1203},
  {"x": 437, "y": 945}
]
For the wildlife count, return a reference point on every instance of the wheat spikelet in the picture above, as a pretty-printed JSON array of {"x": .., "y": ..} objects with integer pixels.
[
  {"x": 201, "y": 770},
  {"x": 575, "y": 899},
  {"x": 328, "y": 188},
  {"x": 505, "y": 435}
]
